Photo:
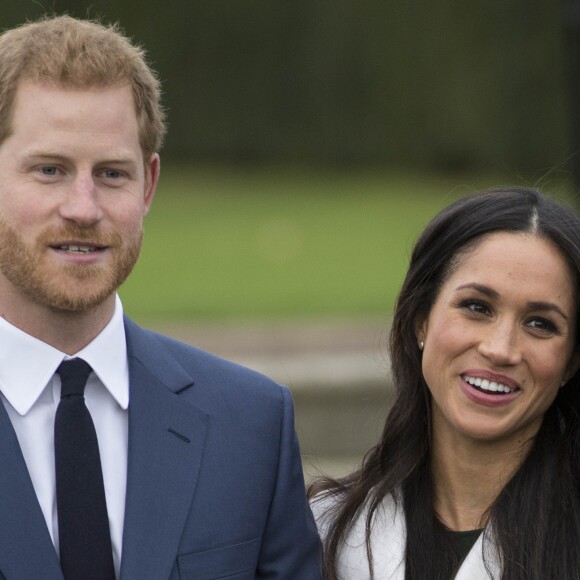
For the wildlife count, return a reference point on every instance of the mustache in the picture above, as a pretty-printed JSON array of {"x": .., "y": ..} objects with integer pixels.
[{"x": 73, "y": 232}]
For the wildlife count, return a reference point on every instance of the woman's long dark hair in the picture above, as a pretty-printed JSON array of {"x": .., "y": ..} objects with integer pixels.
[{"x": 536, "y": 518}]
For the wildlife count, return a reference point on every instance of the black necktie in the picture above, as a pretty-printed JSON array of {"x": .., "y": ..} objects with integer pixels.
[{"x": 83, "y": 524}]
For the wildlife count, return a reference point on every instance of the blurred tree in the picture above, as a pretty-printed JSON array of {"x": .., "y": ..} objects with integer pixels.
[
  {"x": 457, "y": 84},
  {"x": 571, "y": 27}
]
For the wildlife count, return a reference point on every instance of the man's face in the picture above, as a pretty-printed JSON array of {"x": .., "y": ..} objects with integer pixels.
[{"x": 73, "y": 194}]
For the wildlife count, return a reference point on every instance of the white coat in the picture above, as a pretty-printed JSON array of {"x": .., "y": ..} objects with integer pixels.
[{"x": 388, "y": 536}]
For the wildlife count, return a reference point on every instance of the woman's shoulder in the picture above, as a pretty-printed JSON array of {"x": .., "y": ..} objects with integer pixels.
[
  {"x": 388, "y": 537},
  {"x": 323, "y": 506},
  {"x": 327, "y": 504},
  {"x": 388, "y": 542}
]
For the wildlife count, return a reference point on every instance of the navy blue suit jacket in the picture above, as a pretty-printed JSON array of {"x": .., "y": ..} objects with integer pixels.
[{"x": 214, "y": 483}]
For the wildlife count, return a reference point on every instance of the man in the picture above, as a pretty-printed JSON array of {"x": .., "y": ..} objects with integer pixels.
[{"x": 197, "y": 472}]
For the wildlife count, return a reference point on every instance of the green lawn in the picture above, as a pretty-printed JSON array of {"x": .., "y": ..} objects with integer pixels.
[{"x": 227, "y": 243}]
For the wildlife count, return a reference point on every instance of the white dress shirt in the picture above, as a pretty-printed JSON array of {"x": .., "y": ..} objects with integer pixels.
[{"x": 30, "y": 391}]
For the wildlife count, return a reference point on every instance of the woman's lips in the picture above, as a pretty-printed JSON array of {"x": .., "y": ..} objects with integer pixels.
[{"x": 488, "y": 388}]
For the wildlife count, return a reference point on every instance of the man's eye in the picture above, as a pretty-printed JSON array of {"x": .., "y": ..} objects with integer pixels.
[
  {"x": 49, "y": 170},
  {"x": 111, "y": 174}
]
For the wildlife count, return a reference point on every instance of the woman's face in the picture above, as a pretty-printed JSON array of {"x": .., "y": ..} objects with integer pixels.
[{"x": 499, "y": 339}]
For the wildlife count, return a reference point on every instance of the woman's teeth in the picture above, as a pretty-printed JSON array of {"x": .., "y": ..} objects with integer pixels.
[{"x": 486, "y": 385}]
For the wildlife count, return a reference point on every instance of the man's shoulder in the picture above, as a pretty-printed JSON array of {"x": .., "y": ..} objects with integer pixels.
[{"x": 205, "y": 368}]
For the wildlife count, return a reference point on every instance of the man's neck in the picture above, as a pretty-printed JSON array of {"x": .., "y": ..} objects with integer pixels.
[{"x": 66, "y": 331}]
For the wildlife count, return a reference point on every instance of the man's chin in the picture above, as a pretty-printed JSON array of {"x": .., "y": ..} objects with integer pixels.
[
  {"x": 75, "y": 303},
  {"x": 73, "y": 295},
  {"x": 66, "y": 288}
]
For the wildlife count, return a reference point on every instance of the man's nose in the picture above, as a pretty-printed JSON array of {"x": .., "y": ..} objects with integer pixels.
[{"x": 81, "y": 203}]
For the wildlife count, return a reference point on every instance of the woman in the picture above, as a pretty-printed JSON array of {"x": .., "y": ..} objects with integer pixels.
[{"x": 476, "y": 473}]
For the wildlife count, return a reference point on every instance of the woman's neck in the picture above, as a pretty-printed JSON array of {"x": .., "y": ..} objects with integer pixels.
[{"x": 468, "y": 475}]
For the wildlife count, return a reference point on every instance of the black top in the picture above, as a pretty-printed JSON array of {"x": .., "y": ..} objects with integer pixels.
[
  {"x": 463, "y": 541},
  {"x": 456, "y": 546}
]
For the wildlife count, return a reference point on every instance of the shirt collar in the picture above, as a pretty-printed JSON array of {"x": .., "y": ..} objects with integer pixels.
[{"x": 22, "y": 382}]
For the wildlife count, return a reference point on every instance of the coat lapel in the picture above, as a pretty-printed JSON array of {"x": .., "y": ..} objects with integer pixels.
[
  {"x": 475, "y": 567},
  {"x": 26, "y": 549},
  {"x": 388, "y": 541},
  {"x": 166, "y": 442}
]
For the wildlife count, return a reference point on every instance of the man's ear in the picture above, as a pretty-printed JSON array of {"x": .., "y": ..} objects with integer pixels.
[{"x": 152, "y": 170}]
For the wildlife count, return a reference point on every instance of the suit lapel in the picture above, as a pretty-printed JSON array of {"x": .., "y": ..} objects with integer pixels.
[
  {"x": 26, "y": 549},
  {"x": 166, "y": 442}
]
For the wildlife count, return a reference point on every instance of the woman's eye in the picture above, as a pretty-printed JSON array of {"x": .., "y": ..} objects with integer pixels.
[
  {"x": 542, "y": 324},
  {"x": 476, "y": 306}
]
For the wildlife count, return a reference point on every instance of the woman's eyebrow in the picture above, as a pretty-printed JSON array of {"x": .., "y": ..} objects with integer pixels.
[
  {"x": 547, "y": 306},
  {"x": 480, "y": 288},
  {"x": 534, "y": 305}
]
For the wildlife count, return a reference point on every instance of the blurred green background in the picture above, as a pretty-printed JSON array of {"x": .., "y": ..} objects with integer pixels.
[
  {"x": 309, "y": 142},
  {"x": 223, "y": 243}
]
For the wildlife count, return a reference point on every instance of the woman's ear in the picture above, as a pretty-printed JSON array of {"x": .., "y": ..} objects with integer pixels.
[
  {"x": 573, "y": 364},
  {"x": 420, "y": 328}
]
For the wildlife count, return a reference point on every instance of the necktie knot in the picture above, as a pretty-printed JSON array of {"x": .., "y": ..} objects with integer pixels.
[{"x": 73, "y": 376}]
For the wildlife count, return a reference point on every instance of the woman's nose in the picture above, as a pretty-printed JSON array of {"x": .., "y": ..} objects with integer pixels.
[{"x": 499, "y": 343}]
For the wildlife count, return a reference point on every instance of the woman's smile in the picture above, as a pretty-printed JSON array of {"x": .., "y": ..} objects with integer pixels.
[{"x": 497, "y": 347}]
